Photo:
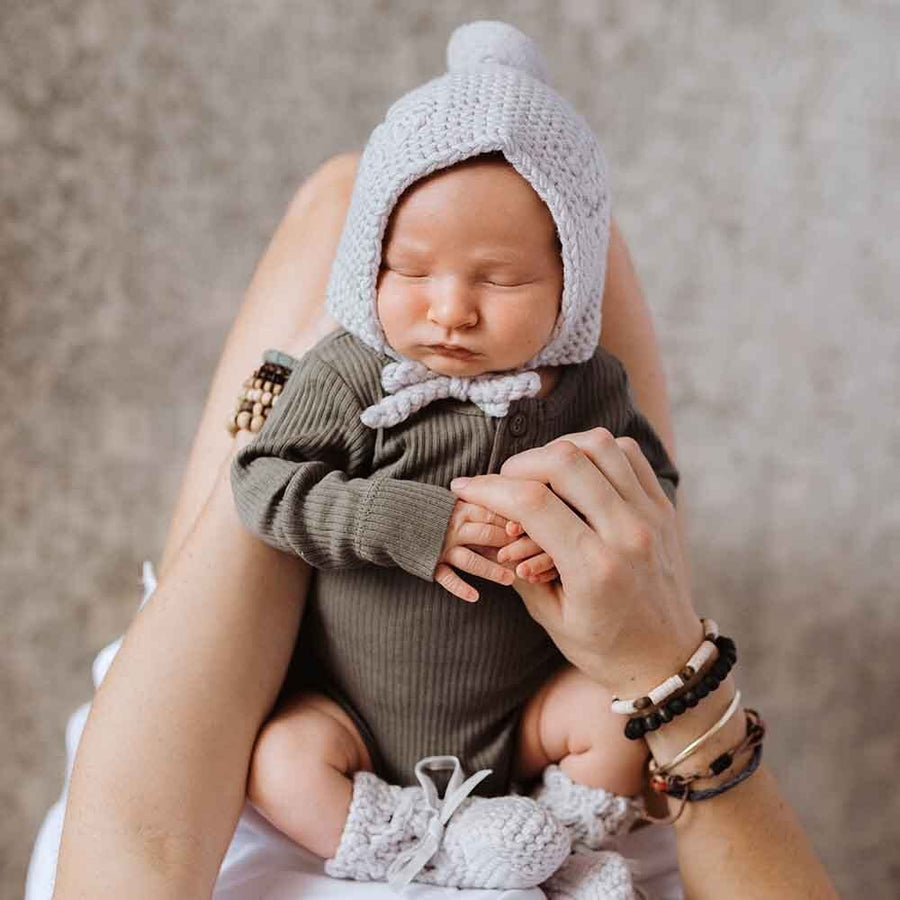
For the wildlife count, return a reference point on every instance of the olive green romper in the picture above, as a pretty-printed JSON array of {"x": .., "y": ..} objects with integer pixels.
[{"x": 420, "y": 671}]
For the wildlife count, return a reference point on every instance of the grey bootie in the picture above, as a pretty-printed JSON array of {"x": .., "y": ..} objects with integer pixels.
[
  {"x": 592, "y": 875},
  {"x": 409, "y": 834},
  {"x": 594, "y": 817}
]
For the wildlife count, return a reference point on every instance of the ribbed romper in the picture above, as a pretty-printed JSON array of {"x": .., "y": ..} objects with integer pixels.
[{"x": 420, "y": 671}]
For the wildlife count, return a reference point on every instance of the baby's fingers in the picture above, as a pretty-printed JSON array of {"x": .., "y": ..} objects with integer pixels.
[
  {"x": 519, "y": 550},
  {"x": 468, "y": 561},
  {"x": 450, "y": 581},
  {"x": 481, "y": 534},
  {"x": 537, "y": 565}
]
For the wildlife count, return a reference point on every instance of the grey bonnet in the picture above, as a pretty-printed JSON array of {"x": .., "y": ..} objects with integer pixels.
[{"x": 493, "y": 97}]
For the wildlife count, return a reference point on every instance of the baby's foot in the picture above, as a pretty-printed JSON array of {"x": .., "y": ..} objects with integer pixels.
[{"x": 409, "y": 834}]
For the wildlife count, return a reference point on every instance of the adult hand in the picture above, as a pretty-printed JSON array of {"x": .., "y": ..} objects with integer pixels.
[{"x": 620, "y": 611}]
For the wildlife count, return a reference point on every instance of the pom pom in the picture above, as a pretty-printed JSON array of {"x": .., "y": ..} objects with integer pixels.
[{"x": 494, "y": 42}]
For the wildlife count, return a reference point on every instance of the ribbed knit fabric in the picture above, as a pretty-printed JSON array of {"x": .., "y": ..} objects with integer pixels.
[{"x": 420, "y": 671}]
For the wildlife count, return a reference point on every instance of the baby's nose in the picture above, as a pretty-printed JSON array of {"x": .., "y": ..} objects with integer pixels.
[{"x": 452, "y": 307}]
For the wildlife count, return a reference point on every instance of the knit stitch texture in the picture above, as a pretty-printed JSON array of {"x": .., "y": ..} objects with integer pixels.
[
  {"x": 500, "y": 843},
  {"x": 593, "y": 816},
  {"x": 494, "y": 97}
]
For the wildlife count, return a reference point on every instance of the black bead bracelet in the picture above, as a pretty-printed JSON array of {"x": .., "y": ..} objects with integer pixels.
[{"x": 637, "y": 726}]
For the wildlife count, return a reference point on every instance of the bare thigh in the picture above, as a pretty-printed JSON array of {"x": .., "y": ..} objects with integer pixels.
[
  {"x": 568, "y": 721},
  {"x": 309, "y": 726}
]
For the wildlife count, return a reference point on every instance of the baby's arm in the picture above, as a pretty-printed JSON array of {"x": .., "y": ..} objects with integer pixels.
[{"x": 304, "y": 486}]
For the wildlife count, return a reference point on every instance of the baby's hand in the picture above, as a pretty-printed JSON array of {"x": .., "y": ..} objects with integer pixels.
[
  {"x": 471, "y": 526},
  {"x": 534, "y": 565}
]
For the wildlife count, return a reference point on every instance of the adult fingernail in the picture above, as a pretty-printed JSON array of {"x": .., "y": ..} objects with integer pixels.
[{"x": 458, "y": 484}]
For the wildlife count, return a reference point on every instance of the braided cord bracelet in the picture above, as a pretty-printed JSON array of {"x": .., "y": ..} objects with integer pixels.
[{"x": 678, "y": 786}]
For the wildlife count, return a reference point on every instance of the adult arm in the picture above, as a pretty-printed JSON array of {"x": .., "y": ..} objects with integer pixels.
[
  {"x": 622, "y": 613},
  {"x": 160, "y": 775},
  {"x": 301, "y": 485}
]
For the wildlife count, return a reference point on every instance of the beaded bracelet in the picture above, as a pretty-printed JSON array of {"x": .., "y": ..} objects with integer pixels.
[
  {"x": 695, "y": 745},
  {"x": 705, "y": 683},
  {"x": 663, "y": 691},
  {"x": 260, "y": 393}
]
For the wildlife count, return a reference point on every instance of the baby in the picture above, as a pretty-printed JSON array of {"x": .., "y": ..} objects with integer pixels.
[{"x": 468, "y": 282}]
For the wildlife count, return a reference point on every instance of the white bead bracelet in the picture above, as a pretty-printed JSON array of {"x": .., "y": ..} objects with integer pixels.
[{"x": 662, "y": 692}]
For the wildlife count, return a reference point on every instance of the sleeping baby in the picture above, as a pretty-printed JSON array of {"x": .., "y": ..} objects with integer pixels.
[{"x": 467, "y": 284}]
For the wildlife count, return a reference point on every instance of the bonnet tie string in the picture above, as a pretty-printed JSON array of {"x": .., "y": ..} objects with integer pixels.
[{"x": 411, "y": 385}]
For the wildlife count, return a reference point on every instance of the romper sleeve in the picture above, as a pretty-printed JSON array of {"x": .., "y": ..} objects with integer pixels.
[{"x": 304, "y": 484}]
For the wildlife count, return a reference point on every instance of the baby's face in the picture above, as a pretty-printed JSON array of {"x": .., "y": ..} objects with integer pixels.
[{"x": 470, "y": 259}]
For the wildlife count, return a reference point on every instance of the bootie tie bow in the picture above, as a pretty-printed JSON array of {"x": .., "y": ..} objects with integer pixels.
[{"x": 409, "y": 863}]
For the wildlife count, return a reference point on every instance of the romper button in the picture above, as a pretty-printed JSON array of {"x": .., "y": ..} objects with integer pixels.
[{"x": 518, "y": 425}]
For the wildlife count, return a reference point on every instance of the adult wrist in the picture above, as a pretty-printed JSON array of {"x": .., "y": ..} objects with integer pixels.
[{"x": 666, "y": 743}]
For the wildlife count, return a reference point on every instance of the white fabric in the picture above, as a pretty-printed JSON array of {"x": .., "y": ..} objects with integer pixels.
[{"x": 263, "y": 864}]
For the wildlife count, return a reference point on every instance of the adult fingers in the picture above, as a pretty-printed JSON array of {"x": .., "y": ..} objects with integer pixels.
[
  {"x": 546, "y": 518},
  {"x": 603, "y": 450},
  {"x": 575, "y": 478},
  {"x": 642, "y": 469},
  {"x": 450, "y": 581}
]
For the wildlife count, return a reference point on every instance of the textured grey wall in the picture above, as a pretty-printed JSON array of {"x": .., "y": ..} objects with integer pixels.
[{"x": 147, "y": 150}]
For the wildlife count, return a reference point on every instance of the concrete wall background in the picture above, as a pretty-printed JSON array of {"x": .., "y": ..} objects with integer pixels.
[{"x": 147, "y": 151}]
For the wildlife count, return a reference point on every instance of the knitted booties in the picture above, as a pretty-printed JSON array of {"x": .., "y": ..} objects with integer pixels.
[
  {"x": 603, "y": 875},
  {"x": 405, "y": 834},
  {"x": 594, "y": 817}
]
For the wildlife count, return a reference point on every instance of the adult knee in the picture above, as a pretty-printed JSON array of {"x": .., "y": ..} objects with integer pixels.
[{"x": 332, "y": 180}]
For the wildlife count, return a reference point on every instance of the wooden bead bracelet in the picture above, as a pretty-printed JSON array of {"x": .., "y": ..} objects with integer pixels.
[
  {"x": 663, "y": 691},
  {"x": 259, "y": 394},
  {"x": 704, "y": 683}
]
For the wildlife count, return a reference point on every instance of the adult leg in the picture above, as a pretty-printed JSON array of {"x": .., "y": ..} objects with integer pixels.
[
  {"x": 160, "y": 775},
  {"x": 283, "y": 308}
]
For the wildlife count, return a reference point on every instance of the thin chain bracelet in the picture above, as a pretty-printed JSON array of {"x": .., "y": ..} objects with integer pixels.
[{"x": 260, "y": 393}]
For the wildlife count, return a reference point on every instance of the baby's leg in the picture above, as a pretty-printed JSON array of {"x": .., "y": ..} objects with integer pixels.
[
  {"x": 569, "y": 722},
  {"x": 301, "y": 774}
]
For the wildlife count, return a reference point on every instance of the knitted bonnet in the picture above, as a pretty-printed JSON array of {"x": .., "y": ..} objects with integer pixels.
[{"x": 493, "y": 97}]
